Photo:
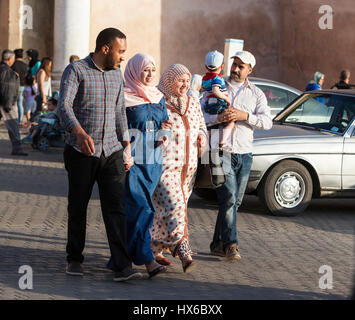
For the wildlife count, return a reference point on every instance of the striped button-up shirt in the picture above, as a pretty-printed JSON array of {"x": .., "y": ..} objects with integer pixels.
[{"x": 93, "y": 99}]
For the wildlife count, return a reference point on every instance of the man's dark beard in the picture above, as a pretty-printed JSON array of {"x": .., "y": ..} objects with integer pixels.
[{"x": 109, "y": 62}]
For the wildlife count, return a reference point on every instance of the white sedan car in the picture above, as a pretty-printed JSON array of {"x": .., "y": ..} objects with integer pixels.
[{"x": 308, "y": 153}]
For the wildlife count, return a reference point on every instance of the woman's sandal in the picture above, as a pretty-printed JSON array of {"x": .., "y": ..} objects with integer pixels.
[
  {"x": 156, "y": 271},
  {"x": 188, "y": 266},
  {"x": 163, "y": 261}
]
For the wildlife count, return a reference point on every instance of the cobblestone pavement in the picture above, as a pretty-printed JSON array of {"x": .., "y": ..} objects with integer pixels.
[{"x": 281, "y": 257}]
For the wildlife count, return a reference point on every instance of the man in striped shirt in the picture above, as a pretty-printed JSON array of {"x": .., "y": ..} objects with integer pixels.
[{"x": 92, "y": 112}]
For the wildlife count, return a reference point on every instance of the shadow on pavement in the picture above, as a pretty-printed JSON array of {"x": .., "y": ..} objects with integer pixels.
[
  {"x": 50, "y": 240},
  {"x": 32, "y": 179},
  {"x": 51, "y": 282},
  {"x": 52, "y": 155},
  {"x": 333, "y": 215}
]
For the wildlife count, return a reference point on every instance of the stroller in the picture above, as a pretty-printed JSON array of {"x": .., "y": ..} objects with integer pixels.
[{"x": 49, "y": 133}]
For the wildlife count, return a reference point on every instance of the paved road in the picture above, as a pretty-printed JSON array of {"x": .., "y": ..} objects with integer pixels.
[{"x": 281, "y": 257}]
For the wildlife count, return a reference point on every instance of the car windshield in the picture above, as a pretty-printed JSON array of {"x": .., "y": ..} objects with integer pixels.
[
  {"x": 277, "y": 98},
  {"x": 323, "y": 111}
]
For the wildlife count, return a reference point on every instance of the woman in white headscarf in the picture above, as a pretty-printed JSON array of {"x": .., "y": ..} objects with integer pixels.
[
  {"x": 195, "y": 87},
  {"x": 169, "y": 230}
]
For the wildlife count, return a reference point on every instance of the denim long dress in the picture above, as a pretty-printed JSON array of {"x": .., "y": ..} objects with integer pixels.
[{"x": 144, "y": 122}]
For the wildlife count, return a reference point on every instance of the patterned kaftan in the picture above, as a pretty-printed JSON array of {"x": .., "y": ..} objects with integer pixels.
[{"x": 180, "y": 161}]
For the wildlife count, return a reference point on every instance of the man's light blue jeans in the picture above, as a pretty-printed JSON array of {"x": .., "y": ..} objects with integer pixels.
[{"x": 230, "y": 196}]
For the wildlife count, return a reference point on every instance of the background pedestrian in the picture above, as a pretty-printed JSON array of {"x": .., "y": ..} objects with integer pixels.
[
  {"x": 73, "y": 58},
  {"x": 33, "y": 61},
  {"x": 30, "y": 93},
  {"x": 195, "y": 87},
  {"x": 9, "y": 84},
  {"x": 344, "y": 82},
  {"x": 21, "y": 68},
  {"x": 316, "y": 83},
  {"x": 44, "y": 83}
]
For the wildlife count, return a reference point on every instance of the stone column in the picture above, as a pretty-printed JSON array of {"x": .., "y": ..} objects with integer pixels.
[{"x": 71, "y": 34}]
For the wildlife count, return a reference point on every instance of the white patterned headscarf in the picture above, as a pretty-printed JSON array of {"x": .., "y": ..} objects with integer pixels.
[
  {"x": 166, "y": 83},
  {"x": 195, "y": 86}
]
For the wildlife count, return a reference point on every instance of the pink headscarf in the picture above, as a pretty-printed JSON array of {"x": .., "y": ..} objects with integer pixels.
[{"x": 135, "y": 91}]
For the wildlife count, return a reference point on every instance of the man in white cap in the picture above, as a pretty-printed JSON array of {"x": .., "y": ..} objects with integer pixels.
[{"x": 249, "y": 110}]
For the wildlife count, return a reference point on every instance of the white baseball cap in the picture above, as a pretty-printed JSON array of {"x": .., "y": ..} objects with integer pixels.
[
  {"x": 246, "y": 57},
  {"x": 214, "y": 59}
]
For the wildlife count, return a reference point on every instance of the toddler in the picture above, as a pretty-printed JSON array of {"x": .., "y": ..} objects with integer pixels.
[{"x": 215, "y": 87}]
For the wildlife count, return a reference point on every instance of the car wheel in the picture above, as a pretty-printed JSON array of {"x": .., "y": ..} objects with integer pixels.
[
  {"x": 43, "y": 144},
  {"x": 287, "y": 189},
  {"x": 207, "y": 194}
]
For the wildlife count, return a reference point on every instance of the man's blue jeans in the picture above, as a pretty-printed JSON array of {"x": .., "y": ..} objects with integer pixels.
[{"x": 230, "y": 196}]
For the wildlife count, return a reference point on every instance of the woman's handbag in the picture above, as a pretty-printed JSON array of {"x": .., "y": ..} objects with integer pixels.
[{"x": 210, "y": 175}]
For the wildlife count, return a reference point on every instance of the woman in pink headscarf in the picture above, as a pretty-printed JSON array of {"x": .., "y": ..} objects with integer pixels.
[
  {"x": 169, "y": 230},
  {"x": 149, "y": 125}
]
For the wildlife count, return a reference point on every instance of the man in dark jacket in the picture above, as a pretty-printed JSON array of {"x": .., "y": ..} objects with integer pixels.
[
  {"x": 344, "y": 81},
  {"x": 9, "y": 86},
  {"x": 21, "y": 69}
]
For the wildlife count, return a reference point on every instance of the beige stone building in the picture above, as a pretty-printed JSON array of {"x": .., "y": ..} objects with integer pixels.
[{"x": 291, "y": 39}]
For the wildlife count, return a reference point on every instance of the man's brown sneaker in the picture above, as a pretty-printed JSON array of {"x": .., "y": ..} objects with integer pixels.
[
  {"x": 218, "y": 251},
  {"x": 232, "y": 252}
]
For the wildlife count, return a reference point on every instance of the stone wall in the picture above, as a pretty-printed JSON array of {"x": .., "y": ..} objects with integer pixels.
[
  {"x": 184, "y": 31},
  {"x": 284, "y": 35},
  {"x": 40, "y": 37},
  {"x": 192, "y": 28},
  {"x": 139, "y": 20},
  {"x": 305, "y": 48}
]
